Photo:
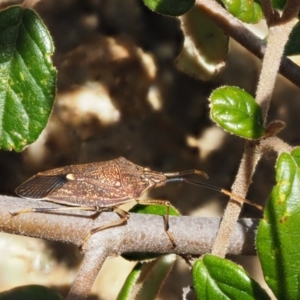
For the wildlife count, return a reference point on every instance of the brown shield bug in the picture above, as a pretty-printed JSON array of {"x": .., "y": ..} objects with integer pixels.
[{"x": 104, "y": 186}]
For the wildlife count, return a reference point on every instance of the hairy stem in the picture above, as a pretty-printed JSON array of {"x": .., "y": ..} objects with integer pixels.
[
  {"x": 278, "y": 36},
  {"x": 268, "y": 11},
  {"x": 290, "y": 11},
  {"x": 29, "y": 4},
  {"x": 252, "y": 155},
  {"x": 233, "y": 209},
  {"x": 236, "y": 30},
  {"x": 91, "y": 265}
]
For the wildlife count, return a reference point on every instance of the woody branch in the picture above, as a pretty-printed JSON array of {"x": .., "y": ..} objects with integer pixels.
[
  {"x": 143, "y": 233},
  {"x": 238, "y": 31}
]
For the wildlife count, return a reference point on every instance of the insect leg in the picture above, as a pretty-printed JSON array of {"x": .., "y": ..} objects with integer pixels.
[
  {"x": 124, "y": 216},
  {"x": 166, "y": 217},
  {"x": 50, "y": 209}
]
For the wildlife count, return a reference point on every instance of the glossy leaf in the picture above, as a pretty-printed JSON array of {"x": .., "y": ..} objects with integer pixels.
[
  {"x": 278, "y": 236},
  {"x": 159, "y": 210},
  {"x": 237, "y": 112},
  {"x": 170, "y": 7},
  {"x": 278, "y": 4},
  {"x": 293, "y": 45},
  {"x": 145, "y": 280},
  {"x": 205, "y": 46},
  {"x": 219, "y": 278},
  {"x": 28, "y": 78},
  {"x": 32, "y": 292},
  {"x": 245, "y": 10}
]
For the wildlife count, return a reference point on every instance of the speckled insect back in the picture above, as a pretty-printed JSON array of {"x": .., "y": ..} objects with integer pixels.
[{"x": 104, "y": 186}]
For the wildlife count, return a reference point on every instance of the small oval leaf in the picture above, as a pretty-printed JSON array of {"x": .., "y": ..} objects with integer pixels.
[
  {"x": 28, "y": 78},
  {"x": 245, "y": 10},
  {"x": 278, "y": 236},
  {"x": 237, "y": 112},
  {"x": 170, "y": 7},
  {"x": 219, "y": 278}
]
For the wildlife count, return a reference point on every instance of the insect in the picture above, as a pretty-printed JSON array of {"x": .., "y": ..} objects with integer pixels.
[{"x": 103, "y": 186}]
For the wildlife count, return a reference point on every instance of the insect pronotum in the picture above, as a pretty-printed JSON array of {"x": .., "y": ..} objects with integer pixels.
[{"x": 104, "y": 186}]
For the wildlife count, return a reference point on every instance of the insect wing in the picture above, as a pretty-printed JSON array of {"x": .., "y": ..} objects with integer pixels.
[
  {"x": 39, "y": 187},
  {"x": 79, "y": 192},
  {"x": 100, "y": 184}
]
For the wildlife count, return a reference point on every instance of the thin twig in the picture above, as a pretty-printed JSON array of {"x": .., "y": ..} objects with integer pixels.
[
  {"x": 89, "y": 268},
  {"x": 233, "y": 209},
  {"x": 29, "y": 4},
  {"x": 274, "y": 143},
  {"x": 268, "y": 11},
  {"x": 252, "y": 154},
  {"x": 290, "y": 10},
  {"x": 278, "y": 36},
  {"x": 236, "y": 29}
]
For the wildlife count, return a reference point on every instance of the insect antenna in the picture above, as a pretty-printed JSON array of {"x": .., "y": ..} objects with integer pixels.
[
  {"x": 184, "y": 173},
  {"x": 173, "y": 178}
]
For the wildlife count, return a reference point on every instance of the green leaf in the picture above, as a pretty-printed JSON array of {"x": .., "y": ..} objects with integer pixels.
[
  {"x": 146, "y": 279},
  {"x": 219, "y": 278},
  {"x": 293, "y": 45},
  {"x": 245, "y": 10},
  {"x": 159, "y": 210},
  {"x": 28, "y": 79},
  {"x": 237, "y": 112},
  {"x": 278, "y": 236},
  {"x": 170, "y": 7},
  {"x": 32, "y": 292},
  {"x": 278, "y": 4},
  {"x": 205, "y": 45}
]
